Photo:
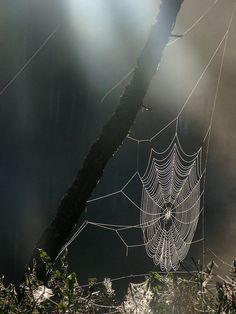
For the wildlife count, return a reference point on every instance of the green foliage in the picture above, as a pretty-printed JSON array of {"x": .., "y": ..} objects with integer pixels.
[
  {"x": 169, "y": 293},
  {"x": 174, "y": 294},
  {"x": 62, "y": 294}
]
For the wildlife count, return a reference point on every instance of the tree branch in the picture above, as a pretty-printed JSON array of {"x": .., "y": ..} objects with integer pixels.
[{"x": 112, "y": 136}]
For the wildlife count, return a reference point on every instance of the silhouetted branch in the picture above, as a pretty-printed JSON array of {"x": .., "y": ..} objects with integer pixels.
[{"x": 112, "y": 136}]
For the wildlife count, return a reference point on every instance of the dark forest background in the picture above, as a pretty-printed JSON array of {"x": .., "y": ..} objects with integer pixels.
[{"x": 51, "y": 114}]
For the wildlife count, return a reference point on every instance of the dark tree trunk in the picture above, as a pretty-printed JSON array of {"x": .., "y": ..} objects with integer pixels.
[{"x": 112, "y": 136}]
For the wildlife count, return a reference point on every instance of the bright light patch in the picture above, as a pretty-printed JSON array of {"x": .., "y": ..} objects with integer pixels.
[
  {"x": 108, "y": 35},
  {"x": 92, "y": 21}
]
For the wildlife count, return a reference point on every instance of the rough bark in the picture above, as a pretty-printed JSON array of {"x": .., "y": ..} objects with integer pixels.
[{"x": 112, "y": 136}]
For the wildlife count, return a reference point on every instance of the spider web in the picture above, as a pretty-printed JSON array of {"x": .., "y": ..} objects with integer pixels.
[
  {"x": 171, "y": 200},
  {"x": 173, "y": 186}
]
